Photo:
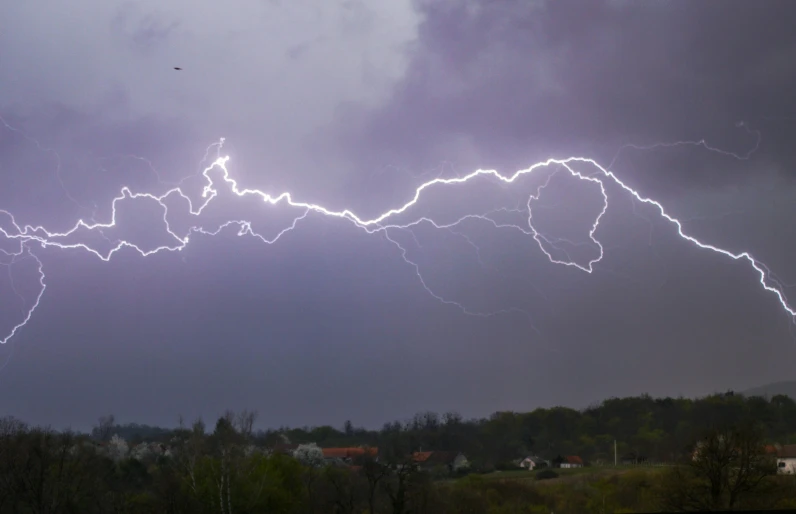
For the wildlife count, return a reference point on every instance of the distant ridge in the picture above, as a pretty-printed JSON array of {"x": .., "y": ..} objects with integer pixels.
[{"x": 788, "y": 388}]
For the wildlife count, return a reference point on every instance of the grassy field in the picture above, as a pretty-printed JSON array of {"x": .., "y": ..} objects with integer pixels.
[{"x": 564, "y": 474}]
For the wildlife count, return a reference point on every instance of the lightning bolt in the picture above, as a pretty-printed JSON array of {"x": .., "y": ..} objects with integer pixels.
[
  {"x": 28, "y": 236},
  {"x": 741, "y": 157},
  {"x": 23, "y": 253}
]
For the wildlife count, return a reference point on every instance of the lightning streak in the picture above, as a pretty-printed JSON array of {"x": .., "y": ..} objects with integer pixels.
[
  {"x": 28, "y": 236},
  {"x": 24, "y": 252},
  {"x": 741, "y": 157}
]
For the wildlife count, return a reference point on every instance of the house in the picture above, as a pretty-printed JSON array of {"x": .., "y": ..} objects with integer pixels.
[
  {"x": 349, "y": 455},
  {"x": 786, "y": 459},
  {"x": 450, "y": 461},
  {"x": 572, "y": 461},
  {"x": 533, "y": 462}
]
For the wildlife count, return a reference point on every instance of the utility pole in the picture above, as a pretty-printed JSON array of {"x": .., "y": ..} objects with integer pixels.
[{"x": 615, "y": 453}]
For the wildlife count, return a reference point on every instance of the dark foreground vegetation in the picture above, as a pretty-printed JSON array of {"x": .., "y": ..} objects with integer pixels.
[{"x": 638, "y": 455}]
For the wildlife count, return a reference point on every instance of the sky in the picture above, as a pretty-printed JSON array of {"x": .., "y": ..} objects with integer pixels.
[{"x": 353, "y": 105}]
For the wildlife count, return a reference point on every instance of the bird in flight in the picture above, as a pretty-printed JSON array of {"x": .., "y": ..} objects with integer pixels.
[{"x": 177, "y": 68}]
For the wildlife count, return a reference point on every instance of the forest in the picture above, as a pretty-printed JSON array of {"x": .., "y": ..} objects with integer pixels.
[{"x": 640, "y": 454}]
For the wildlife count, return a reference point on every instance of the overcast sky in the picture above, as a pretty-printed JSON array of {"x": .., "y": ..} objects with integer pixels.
[{"x": 352, "y": 105}]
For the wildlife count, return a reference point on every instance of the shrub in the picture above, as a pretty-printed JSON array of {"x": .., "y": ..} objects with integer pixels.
[{"x": 546, "y": 474}]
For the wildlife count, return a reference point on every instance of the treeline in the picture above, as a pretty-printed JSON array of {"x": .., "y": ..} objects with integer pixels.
[
  {"x": 133, "y": 433},
  {"x": 658, "y": 429},
  {"x": 228, "y": 467}
]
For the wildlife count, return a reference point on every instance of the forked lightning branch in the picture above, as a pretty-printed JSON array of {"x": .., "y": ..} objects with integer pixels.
[{"x": 29, "y": 238}]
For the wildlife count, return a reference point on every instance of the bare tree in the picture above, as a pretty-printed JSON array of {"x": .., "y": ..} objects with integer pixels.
[
  {"x": 104, "y": 429},
  {"x": 52, "y": 474},
  {"x": 229, "y": 444},
  {"x": 225, "y": 441},
  {"x": 398, "y": 482},
  {"x": 244, "y": 422},
  {"x": 310, "y": 477},
  {"x": 727, "y": 467},
  {"x": 10, "y": 431},
  {"x": 190, "y": 447},
  {"x": 344, "y": 484},
  {"x": 374, "y": 473}
]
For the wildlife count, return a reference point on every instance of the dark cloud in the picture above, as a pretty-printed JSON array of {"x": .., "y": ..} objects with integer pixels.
[
  {"x": 331, "y": 323},
  {"x": 522, "y": 80},
  {"x": 503, "y": 84}
]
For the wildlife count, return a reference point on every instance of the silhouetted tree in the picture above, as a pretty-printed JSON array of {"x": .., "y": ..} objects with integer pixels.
[
  {"x": 727, "y": 467},
  {"x": 374, "y": 472},
  {"x": 104, "y": 428}
]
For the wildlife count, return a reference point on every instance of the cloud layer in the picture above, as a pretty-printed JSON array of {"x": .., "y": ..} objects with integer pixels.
[{"x": 352, "y": 104}]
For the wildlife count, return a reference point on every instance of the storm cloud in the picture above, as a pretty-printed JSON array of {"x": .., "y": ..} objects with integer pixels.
[{"x": 352, "y": 105}]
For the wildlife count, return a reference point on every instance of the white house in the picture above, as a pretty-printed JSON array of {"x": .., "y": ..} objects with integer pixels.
[
  {"x": 786, "y": 459},
  {"x": 532, "y": 462},
  {"x": 453, "y": 461}
]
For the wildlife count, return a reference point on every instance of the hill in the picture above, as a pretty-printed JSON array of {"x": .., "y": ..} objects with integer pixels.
[{"x": 788, "y": 388}]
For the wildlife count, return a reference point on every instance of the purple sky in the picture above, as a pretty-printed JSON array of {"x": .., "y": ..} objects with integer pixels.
[{"x": 353, "y": 104}]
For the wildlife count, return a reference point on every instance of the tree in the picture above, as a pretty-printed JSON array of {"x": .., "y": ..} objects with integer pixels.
[
  {"x": 190, "y": 448},
  {"x": 398, "y": 483},
  {"x": 374, "y": 473},
  {"x": 117, "y": 448},
  {"x": 310, "y": 455},
  {"x": 51, "y": 473},
  {"x": 225, "y": 442},
  {"x": 104, "y": 429},
  {"x": 726, "y": 469},
  {"x": 229, "y": 462},
  {"x": 10, "y": 429},
  {"x": 311, "y": 480},
  {"x": 345, "y": 497}
]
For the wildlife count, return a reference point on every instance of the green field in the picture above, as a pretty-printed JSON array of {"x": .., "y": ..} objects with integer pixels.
[{"x": 563, "y": 474}]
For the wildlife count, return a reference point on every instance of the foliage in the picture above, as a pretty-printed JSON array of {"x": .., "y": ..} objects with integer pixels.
[
  {"x": 118, "y": 448},
  {"x": 727, "y": 469},
  {"x": 230, "y": 468},
  {"x": 545, "y": 474},
  {"x": 652, "y": 429},
  {"x": 310, "y": 455}
]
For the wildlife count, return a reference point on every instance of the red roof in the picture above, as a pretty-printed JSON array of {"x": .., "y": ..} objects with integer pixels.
[
  {"x": 421, "y": 456},
  {"x": 434, "y": 458},
  {"x": 787, "y": 451},
  {"x": 573, "y": 459},
  {"x": 348, "y": 453}
]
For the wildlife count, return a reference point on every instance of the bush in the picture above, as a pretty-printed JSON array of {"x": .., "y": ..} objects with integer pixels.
[
  {"x": 463, "y": 472},
  {"x": 546, "y": 474}
]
